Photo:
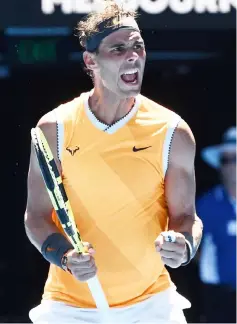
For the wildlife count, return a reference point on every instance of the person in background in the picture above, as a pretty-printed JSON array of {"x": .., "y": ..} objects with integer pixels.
[{"x": 217, "y": 209}]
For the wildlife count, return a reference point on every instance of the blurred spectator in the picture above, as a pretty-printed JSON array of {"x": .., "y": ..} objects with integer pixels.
[{"x": 217, "y": 209}]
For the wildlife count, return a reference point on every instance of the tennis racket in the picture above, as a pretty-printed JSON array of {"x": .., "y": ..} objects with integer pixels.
[{"x": 61, "y": 204}]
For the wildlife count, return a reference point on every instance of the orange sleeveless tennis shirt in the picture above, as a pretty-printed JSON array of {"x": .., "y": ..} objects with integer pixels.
[{"x": 114, "y": 179}]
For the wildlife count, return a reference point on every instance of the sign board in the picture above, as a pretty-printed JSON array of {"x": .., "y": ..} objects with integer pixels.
[{"x": 154, "y": 14}]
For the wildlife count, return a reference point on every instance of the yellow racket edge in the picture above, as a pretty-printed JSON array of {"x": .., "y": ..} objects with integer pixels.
[{"x": 47, "y": 153}]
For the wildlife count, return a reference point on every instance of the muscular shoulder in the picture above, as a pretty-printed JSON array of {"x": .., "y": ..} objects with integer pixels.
[
  {"x": 50, "y": 121},
  {"x": 183, "y": 146},
  {"x": 48, "y": 125},
  {"x": 47, "y": 120},
  {"x": 69, "y": 110}
]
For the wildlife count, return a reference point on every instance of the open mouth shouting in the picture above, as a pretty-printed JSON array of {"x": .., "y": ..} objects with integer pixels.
[{"x": 130, "y": 77}]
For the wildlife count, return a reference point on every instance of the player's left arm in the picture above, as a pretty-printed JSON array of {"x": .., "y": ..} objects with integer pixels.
[{"x": 180, "y": 192}]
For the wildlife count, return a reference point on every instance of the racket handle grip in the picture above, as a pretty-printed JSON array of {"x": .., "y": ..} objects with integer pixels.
[{"x": 98, "y": 294}]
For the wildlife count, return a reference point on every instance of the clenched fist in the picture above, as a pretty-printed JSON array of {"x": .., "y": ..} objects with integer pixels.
[
  {"x": 82, "y": 265},
  {"x": 174, "y": 252}
]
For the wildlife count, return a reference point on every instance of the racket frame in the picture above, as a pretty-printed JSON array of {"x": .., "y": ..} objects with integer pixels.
[{"x": 62, "y": 207}]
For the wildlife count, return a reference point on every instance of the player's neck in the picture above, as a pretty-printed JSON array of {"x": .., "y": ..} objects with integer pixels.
[{"x": 108, "y": 107}]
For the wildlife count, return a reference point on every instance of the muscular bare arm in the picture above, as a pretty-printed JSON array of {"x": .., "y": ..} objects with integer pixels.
[
  {"x": 180, "y": 186},
  {"x": 38, "y": 221},
  {"x": 180, "y": 191}
]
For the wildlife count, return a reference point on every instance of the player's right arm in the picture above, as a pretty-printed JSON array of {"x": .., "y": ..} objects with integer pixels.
[
  {"x": 39, "y": 226},
  {"x": 38, "y": 220}
]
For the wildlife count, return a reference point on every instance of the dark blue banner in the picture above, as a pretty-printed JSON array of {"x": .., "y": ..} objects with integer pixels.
[{"x": 154, "y": 14}]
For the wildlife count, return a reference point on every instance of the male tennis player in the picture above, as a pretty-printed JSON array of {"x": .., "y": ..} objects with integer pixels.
[{"x": 128, "y": 169}]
